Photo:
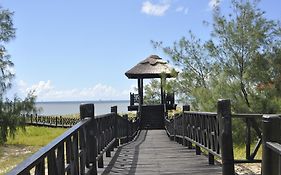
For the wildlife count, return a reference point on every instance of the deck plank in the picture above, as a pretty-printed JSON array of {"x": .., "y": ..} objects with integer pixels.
[{"x": 153, "y": 153}]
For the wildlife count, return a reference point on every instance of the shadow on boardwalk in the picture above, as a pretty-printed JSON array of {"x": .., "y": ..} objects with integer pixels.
[{"x": 153, "y": 153}]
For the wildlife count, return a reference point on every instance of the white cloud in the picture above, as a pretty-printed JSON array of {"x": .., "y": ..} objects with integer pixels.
[
  {"x": 45, "y": 91},
  {"x": 182, "y": 9},
  {"x": 157, "y": 9},
  {"x": 41, "y": 87},
  {"x": 214, "y": 3}
]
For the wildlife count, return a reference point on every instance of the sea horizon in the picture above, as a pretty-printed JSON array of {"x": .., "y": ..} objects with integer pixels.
[
  {"x": 72, "y": 107},
  {"x": 75, "y": 101}
]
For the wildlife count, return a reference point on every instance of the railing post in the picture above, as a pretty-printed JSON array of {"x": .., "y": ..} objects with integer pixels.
[
  {"x": 108, "y": 137},
  {"x": 114, "y": 110},
  {"x": 175, "y": 129},
  {"x": 56, "y": 120},
  {"x": 127, "y": 128},
  {"x": 100, "y": 139},
  {"x": 197, "y": 150},
  {"x": 132, "y": 99},
  {"x": 30, "y": 118},
  {"x": 36, "y": 118},
  {"x": 248, "y": 139},
  {"x": 184, "y": 125},
  {"x": 224, "y": 115},
  {"x": 271, "y": 133},
  {"x": 88, "y": 110}
]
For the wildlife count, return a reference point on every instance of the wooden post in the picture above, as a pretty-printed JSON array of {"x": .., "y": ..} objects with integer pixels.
[
  {"x": 162, "y": 91},
  {"x": 131, "y": 99},
  {"x": 271, "y": 133},
  {"x": 175, "y": 128},
  {"x": 184, "y": 125},
  {"x": 31, "y": 118},
  {"x": 108, "y": 138},
  {"x": 248, "y": 139},
  {"x": 115, "y": 131},
  {"x": 224, "y": 115},
  {"x": 211, "y": 159},
  {"x": 88, "y": 110},
  {"x": 127, "y": 128},
  {"x": 140, "y": 91},
  {"x": 197, "y": 150}
]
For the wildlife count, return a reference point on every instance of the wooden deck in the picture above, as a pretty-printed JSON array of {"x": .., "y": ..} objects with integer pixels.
[{"x": 153, "y": 153}]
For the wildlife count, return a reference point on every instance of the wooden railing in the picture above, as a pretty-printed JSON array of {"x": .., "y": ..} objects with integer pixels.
[
  {"x": 209, "y": 131},
  {"x": 271, "y": 155},
  {"x": 50, "y": 121},
  {"x": 80, "y": 150},
  {"x": 213, "y": 133},
  {"x": 251, "y": 124}
]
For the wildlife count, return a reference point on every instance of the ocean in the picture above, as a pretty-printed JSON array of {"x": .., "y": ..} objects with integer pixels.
[{"x": 72, "y": 107}]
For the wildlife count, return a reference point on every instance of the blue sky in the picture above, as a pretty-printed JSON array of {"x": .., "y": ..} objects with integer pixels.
[{"x": 80, "y": 50}]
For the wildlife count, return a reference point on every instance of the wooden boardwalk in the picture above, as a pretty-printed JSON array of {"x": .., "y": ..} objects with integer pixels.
[{"x": 153, "y": 153}]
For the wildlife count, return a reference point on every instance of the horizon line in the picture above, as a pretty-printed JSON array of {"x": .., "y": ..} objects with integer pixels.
[{"x": 69, "y": 101}]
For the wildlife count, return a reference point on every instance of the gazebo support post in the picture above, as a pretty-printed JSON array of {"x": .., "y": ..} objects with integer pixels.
[
  {"x": 140, "y": 90},
  {"x": 163, "y": 83}
]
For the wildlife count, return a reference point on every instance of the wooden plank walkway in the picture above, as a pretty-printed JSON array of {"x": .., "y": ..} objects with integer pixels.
[{"x": 153, "y": 153}]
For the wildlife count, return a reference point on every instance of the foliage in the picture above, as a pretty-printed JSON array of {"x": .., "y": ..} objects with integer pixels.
[
  {"x": 153, "y": 90},
  {"x": 240, "y": 45},
  {"x": 241, "y": 61},
  {"x": 9, "y": 109}
]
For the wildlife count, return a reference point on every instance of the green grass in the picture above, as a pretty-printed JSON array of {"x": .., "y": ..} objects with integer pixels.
[
  {"x": 240, "y": 152},
  {"x": 25, "y": 144},
  {"x": 35, "y": 136},
  {"x": 14, "y": 154}
]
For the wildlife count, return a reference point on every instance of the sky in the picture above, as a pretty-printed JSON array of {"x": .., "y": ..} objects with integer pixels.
[{"x": 69, "y": 50}]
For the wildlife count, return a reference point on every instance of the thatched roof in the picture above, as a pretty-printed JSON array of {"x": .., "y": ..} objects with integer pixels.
[{"x": 151, "y": 67}]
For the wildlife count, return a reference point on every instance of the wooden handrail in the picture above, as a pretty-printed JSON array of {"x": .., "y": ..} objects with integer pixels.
[
  {"x": 204, "y": 130},
  {"x": 35, "y": 159},
  {"x": 275, "y": 147},
  {"x": 271, "y": 155},
  {"x": 80, "y": 149}
]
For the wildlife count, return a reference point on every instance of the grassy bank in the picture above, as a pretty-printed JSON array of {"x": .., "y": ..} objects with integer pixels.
[
  {"x": 25, "y": 144},
  {"x": 240, "y": 152}
]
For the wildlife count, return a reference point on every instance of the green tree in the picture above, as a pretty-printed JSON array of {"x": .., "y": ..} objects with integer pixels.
[
  {"x": 240, "y": 43},
  {"x": 10, "y": 110},
  {"x": 241, "y": 61},
  {"x": 152, "y": 91},
  {"x": 196, "y": 67}
]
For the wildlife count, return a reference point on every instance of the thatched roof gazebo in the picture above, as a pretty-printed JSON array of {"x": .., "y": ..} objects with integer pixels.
[{"x": 151, "y": 67}]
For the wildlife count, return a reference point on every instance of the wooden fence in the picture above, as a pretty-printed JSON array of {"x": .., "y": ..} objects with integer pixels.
[
  {"x": 213, "y": 133},
  {"x": 80, "y": 149},
  {"x": 271, "y": 155},
  {"x": 50, "y": 121}
]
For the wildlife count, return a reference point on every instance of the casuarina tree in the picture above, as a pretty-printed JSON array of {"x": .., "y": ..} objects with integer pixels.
[
  {"x": 241, "y": 61},
  {"x": 10, "y": 109}
]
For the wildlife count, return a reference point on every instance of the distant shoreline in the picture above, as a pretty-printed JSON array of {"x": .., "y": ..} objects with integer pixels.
[
  {"x": 82, "y": 101},
  {"x": 73, "y": 107}
]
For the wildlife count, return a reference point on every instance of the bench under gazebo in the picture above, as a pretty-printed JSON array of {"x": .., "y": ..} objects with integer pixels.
[{"x": 152, "y": 115}]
